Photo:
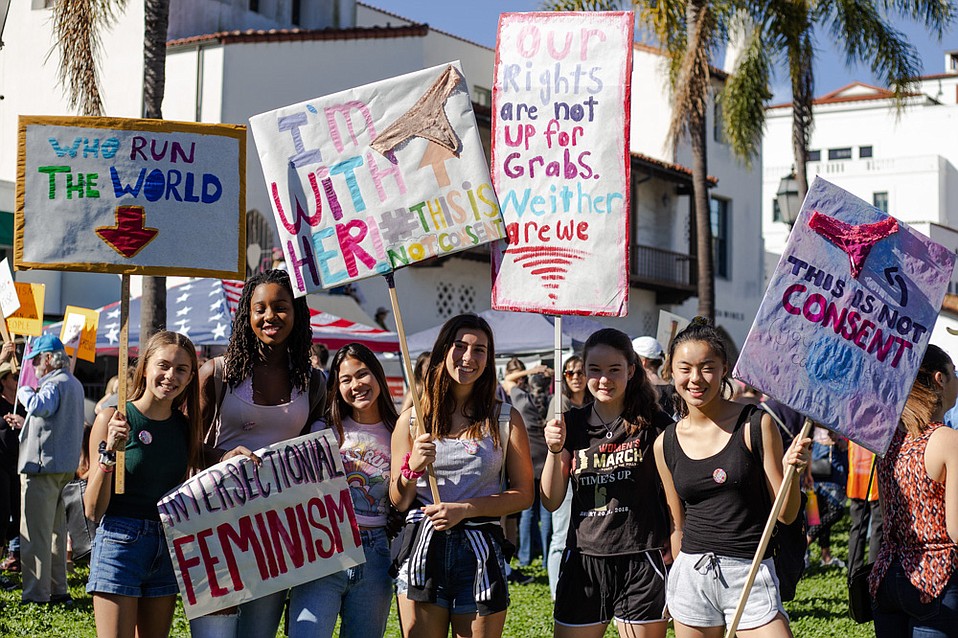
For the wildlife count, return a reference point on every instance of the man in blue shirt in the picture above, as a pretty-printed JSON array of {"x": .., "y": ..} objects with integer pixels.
[{"x": 50, "y": 441}]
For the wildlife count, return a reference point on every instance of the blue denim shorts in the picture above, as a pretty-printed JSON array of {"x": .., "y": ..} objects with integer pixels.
[{"x": 130, "y": 558}]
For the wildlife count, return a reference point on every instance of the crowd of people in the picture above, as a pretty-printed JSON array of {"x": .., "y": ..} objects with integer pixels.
[{"x": 644, "y": 483}]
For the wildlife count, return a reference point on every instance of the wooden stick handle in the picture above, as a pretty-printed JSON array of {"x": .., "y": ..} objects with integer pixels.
[
  {"x": 766, "y": 537},
  {"x": 119, "y": 485},
  {"x": 394, "y": 300},
  {"x": 557, "y": 370}
]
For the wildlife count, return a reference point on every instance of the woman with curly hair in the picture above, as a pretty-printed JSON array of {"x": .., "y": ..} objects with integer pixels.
[{"x": 261, "y": 392}]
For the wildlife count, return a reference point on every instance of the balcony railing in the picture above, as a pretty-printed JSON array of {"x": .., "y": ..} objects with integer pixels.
[{"x": 664, "y": 271}]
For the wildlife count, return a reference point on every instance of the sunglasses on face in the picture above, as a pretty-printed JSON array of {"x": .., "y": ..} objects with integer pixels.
[{"x": 571, "y": 374}]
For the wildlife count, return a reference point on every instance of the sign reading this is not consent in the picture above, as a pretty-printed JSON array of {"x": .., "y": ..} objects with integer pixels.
[{"x": 131, "y": 196}]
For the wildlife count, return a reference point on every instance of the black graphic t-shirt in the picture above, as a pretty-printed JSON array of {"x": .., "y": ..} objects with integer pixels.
[{"x": 618, "y": 506}]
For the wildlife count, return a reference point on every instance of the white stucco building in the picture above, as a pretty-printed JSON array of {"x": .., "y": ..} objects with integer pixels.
[{"x": 230, "y": 59}]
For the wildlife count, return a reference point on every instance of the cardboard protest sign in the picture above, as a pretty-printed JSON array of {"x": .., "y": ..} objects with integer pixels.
[
  {"x": 847, "y": 316},
  {"x": 378, "y": 177},
  {"x": 237, "y": 532},
  {"x": 131, "y": 196},
  {"x": 28, "y": 318},
  {"x": 9, "y": 301},
  {"x": 670, "y": 324},
  {"x": 560, "y": 162},
  {"x": 79, "y": 332}
]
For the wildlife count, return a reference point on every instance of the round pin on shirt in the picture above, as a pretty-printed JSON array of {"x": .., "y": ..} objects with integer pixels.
[
  {"x": 145, "y": 437},
  {"x": 719, "y": 476}
]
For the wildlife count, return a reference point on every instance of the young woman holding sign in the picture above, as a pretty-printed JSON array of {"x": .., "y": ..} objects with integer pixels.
[
  {"x": 915, "y": 580},
  {"x": 363, "y": 415},
  {"x": 612, "y": 567},
  {"x": 261, "y": 392},
  {"x": 451, "y": 566},
  {"x": 714, "y": 483},
  {"x": 131, "y": 576}
]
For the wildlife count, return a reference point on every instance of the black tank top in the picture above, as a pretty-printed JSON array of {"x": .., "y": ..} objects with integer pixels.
[{"x": 725, "y": 509}]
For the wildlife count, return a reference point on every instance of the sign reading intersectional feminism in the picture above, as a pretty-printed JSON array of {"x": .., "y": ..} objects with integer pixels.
[
  {"x": 238, "y": 531},
  {"x": 28, "y": 318},
  {"x": 131, "y": 196},
  {"x": 375, "y": 178},
  {"x": 560, "y": 162},
  {"x": 847, "y": 316}
]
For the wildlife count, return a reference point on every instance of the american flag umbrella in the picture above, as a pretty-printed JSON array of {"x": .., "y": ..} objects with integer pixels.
[{"x": 203, "y": 309}]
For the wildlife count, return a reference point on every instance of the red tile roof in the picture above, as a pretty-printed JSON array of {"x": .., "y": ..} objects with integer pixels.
[
  {"x": 669, "y": 166},
  {"x": 717, "y": 73},
  {"x": 835, "y": 97},
  {"x": 303, "y": 35}
]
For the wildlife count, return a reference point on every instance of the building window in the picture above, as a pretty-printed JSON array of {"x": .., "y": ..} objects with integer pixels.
[
  {"x": 880, "y": 201},
  {"x": 720, "y": 237},
  {"x": 482, "y": 95},
  {"x": 776, "y": 210},
  {"x": 295, "y": 14},
  {"x": 718, "y": 123},
  {"x": 254, "y": 5},
  {"x": 953, "y": 62},
  {"x": 840, "y": 153},
  {"x": 864, "y": 151},
  {"x": 814, "y": 156}
]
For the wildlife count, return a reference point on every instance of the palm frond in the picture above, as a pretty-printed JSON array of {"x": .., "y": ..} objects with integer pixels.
[
  {"x": 692, "y": 85},
  {"x": 745, "y": 95}
]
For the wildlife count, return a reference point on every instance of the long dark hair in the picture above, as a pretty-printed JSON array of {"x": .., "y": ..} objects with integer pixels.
[
  {"x": 338, "y": 408},
  {"x": 482, "y": 406},
  {"x": 700, "y": 329},
  {"x": 188, "y": 401},
  {"x": 244, "y": 349},
  {"x": 640, "y": 398},
  {"x": 566, "y": 390},
  {"x": 925, "y": 396}
]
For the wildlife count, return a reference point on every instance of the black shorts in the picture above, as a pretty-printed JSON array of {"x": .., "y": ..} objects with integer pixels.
[{"x": 597, "y": 589}]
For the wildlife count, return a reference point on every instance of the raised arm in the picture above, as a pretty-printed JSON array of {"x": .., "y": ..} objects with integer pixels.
[{"x": 676, "y": 510}]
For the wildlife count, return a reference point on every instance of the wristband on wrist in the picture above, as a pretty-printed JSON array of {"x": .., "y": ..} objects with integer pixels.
[
  {"x": 107, "y": 457},
  {"x": 107, "y": 469},
  {"x": 407, "y": 472}
]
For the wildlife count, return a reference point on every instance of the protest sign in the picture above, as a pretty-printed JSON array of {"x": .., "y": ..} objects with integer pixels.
[
  {"x": 847, "y": 316},
  {"x": 239, "y": 531},
  {"x": 560, "y": 162},
  {"x": 9, "y": 301},
  {"x": 131, "y": 196},
  {"x": 670, "y": 324},
  {"x": 28, "y": 318},
  {"x": 378, "y": 177},
  {"x": 79, "y": 332}
]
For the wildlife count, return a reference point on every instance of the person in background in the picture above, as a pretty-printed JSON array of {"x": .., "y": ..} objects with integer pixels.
[
  {"x": 109, "y": 397},
  {"x": 131, "y": 574},
  {"x": 318, "y": 356},
  {"x": 261, "y": 392},
  {"x": 529, "y": 397},
  {"x": 363, "y": 416},
  {"x": 451, "y": 563},
  {"x": 575, "y": 394},
  {"x": 48, "y": 458},
  {"x": 864, "y": 507},
  {"x": 651, "y": 357},
  {"x": 9, "y": 478},
  {"x": 914, "y": 582},
  {"x": 831, "y": 451},
  {"x": 419, "y": 369}
]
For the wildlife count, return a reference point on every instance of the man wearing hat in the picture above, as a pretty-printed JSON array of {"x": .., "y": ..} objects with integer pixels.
[{"x": 49, "y": 454}]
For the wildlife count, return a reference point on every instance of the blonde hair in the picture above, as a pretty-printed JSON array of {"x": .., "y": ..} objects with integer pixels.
[{"x": 924, "y": 400}]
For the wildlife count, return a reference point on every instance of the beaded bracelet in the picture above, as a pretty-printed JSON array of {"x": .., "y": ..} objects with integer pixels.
[{"x": 407, "y": 472}]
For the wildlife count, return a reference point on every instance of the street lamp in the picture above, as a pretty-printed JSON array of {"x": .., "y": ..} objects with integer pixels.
[
  {"x": 789, "y": 202},
  {"x": 4, "y": 10}
]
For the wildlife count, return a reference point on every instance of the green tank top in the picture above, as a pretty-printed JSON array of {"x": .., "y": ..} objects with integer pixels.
[{"x": 156, "y": 459}]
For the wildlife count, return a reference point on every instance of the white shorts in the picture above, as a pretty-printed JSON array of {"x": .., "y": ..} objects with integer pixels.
[{"x": 703, "y": 590}]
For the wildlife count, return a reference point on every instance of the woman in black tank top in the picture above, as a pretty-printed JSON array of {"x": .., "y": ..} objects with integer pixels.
[{"x": 713, "y": 482}]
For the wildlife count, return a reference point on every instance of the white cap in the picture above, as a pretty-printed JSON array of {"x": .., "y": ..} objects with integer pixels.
[{"x": 647, "y": 347}]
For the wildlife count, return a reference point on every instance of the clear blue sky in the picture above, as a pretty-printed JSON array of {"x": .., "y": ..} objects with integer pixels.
[{"x": 476, "y": 20}]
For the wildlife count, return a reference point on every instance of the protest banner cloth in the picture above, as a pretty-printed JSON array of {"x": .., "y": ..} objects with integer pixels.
[
  {"x": 130, "y": 196},
  {"x": 843, "y": 326},
  {"x": 378, "y": 177},
  {"x": 27, "y": 320},
  {"x": 239, "y": 531},
  {"x": 9, "y": 303},
  {"x": 561, "y": 163},
  {"x": 78, "y": 333}
]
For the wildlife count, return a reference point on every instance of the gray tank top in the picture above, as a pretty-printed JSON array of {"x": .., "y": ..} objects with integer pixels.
[{"x": 243, "y": 422}]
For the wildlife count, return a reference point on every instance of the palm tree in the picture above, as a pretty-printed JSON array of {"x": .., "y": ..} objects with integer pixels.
[
  {"x": 863, "y": 30},
  {"x": 77, "y": 25}
]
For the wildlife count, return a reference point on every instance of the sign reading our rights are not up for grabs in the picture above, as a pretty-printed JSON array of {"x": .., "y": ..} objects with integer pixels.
[
  {"x": 371, "y": 179},
  {"x": 560, "y": 162}
]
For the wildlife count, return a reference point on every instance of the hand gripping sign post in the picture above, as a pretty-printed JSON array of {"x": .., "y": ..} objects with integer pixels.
[
  {"x": 240, "y": 531},
  {"x": 561, "y": 164},
  {"x": 844, "y": 324},
  {"x": 131, "y": 197},
  {"x": 372, "y": 179}
]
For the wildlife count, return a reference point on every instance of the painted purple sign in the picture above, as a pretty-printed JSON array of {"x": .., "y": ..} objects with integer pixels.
[{"x": 847, "y": 316}]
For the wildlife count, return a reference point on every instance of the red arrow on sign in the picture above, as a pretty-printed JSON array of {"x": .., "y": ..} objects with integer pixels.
[{"x": 130, "y": 234}]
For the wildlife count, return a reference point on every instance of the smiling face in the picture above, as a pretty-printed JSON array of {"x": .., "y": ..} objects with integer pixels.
[
  {"x": 608, "y": 373},
  {"x": 360, "y": 390},
  {"x": 271, "y": 314},
  {"x": 466, "y": 359},
  {"x": 697, "y": 372},
  {"x": 168, "y": 372}
]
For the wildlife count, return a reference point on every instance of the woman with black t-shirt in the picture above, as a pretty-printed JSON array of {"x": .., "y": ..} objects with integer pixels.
[{"x": 612, "y": 567}]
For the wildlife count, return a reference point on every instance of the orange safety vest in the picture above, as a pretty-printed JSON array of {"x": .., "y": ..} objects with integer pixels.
[{"x": 860, "y": 463}]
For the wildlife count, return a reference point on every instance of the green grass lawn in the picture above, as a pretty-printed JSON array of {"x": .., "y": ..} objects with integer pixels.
[{"x": 819, "y": 609}]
